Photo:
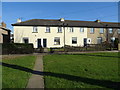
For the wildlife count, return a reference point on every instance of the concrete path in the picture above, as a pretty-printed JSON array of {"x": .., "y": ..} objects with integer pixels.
[{"x": 37, "y": 81}]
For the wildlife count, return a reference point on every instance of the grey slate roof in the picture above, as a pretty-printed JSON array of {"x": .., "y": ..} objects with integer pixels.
[{"x": 67, "y": 23}]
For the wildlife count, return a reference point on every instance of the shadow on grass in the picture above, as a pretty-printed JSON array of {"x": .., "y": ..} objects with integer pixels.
[{"x": 103, "y": 83}]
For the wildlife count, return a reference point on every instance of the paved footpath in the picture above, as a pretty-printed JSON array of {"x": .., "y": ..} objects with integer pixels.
[{"x": 37, "y": 81}]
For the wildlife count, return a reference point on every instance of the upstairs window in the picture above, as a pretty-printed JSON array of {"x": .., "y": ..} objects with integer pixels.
[
  {"x": 81, "y": 29},
  {"x": 59, "y": 29},
  {"x": 110, "y": 30},
  {"x": 74, "y": 40},
  {"x": 71, "y": 29},
  {"x": 25, "y": 40},
  {"x": 35, "y": 29},
  {"x": 91, "y": 30},
  {"x": 57, "y": 40},
  {"x": 47, "y": 29},
  {"x": 101, "y": 30},
  {"x": 118, "y": 31}
]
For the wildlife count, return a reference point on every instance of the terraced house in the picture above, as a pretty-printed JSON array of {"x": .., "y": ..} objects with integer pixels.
[{"x": 57, "y": 33}]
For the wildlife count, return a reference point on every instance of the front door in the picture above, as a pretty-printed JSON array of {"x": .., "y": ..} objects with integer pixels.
[
  {"x": 39, "y": 43},
  {"x": 44, "y": 42},
  {"x": 85, "y": 41}
]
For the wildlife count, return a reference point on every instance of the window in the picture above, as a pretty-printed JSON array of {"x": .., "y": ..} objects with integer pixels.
[
  {"x": 81, "y": 29},
  {"x": 118, "y": 31},
  {"x": 101, "y": 30},
  {"x": 59, "y": 29},
  {"x": 35, "y": 29},
  {"x": 25, "y": 40},
  {"x": 48, "y": 29},
  {"x": 57, "y": 40},
  {"x": 99, "y": 40},
  {"x": 74, "y": 40},
  {"x": 110, "y": 30},
  {"x": 91, "y": 30},
  {"x": 71, "y": 29}
]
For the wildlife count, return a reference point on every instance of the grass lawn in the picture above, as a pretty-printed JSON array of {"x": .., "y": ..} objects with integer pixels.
[
  {"x": 92, "y": 70},
  {"x": 14, "y": 73}
]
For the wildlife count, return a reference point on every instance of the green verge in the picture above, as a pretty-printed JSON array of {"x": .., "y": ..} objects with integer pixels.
[
  {"x": 91, "y": 70},
  {"x": 16, "y": 78}
]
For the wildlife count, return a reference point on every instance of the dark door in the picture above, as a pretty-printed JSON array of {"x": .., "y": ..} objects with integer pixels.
[
  {"x": 39, "y": 43},
  {"x": 44, "y": 42},
  {"x": 85, "y": 41}
]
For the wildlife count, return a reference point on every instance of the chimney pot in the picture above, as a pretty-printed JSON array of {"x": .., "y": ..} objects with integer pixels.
[
  {"x": 62, "y": 19},
  {"x": 19, "y": 20},
  {"x": 3, "y": 24},
  {"x": 97, "y": 21}
]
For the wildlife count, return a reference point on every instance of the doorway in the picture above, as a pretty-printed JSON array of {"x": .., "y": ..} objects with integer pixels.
[
  {"x": 39, "y": 43},
  {"x": 44, "y": 42}
]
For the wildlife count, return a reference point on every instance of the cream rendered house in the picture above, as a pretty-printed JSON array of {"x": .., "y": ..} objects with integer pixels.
[
  {"x": 4, "y": 33},
  {"x": 54, "y": 33}
]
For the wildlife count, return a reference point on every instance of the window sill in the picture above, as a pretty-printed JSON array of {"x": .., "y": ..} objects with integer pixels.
[
  {"x": 34, "y": 32},
  {"x": 56, "y": 44},
  {"x": 47, "y": 32},
  {"x": 91, "y": 33},
  {"x": 59, "y": 32}
]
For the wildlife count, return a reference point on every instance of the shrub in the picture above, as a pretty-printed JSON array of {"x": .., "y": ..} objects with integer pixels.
[{"x": 17, "y": 48}]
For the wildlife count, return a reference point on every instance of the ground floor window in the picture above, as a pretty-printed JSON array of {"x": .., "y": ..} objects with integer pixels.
[
  {"x": 99, "y": 40},
  {"x": 25, "y": 40},
  {"x": 57, "y": 40},
  {"x": 74, "y": 40}
]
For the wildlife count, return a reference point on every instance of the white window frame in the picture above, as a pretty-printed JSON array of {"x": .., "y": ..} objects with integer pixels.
[
  {"x": 35, "y": 29},
  {"x": 74, "y": 38},
  {"x": 71, "y": 29},
  {"x": 25, "y": 38},
  {"x": 82, "y": 30},
  {"x": 47, "y": 29},
  {"x": 110, "y": 30},
  {"x": 93, "y": 30},
  {"x": 101, "y": 30},
  {"x": 56, "y": 40},
  {"x": 59, "y": 29}
]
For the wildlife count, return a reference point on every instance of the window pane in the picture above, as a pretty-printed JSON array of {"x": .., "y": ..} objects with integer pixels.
[
  {"x": 59, "y": 29},
  {"x": 57, "y": 40},
  {"x": 25, "y": 40},
  {"x": 101, "y": 30},
  {"x": 71, "y": 29},
  {"x": 91, "y": 30},
  {"x": 74, "y": 40},
  {"x": 110, "y": 30},
  {"x": 47, "y": 29},
  {"x": 81, "y": 29},
  {"x": 119, "y": 31},
  {"x": 35, "y": 29}
]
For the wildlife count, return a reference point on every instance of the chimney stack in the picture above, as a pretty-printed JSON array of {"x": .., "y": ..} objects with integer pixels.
[
  {"x": 3, "y": 24},
  {"x": 98, "y": 21},
  {"x": 19, "y": 20},
  {"x": 62, "y": 19}
]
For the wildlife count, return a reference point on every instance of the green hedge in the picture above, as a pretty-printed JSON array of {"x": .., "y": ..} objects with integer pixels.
[{"x": 17, "y": 48}]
